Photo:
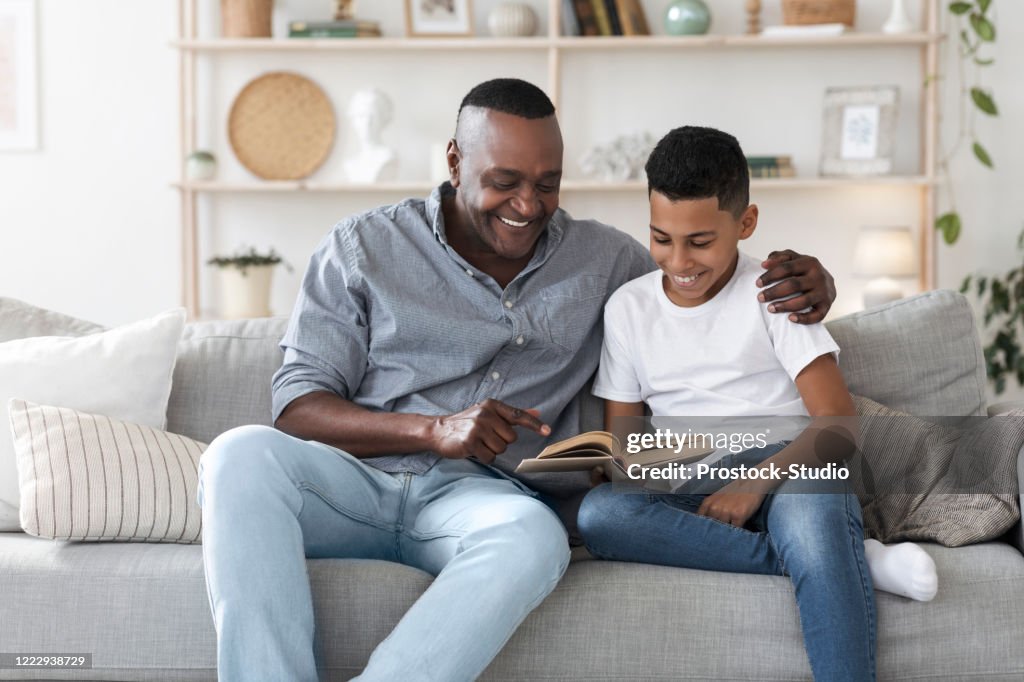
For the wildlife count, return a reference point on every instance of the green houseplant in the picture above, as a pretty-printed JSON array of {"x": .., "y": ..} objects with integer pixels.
[
  {"x": 1002, "y": 301},
  {"x": 245, "y": 279},
  {"x": 975, "y": 28}
]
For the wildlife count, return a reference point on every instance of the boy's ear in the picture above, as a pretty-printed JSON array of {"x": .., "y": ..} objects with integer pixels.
[{"x": 748, "y": 221}]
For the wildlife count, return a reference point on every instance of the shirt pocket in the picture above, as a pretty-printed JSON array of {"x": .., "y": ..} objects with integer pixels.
[{"x": 573, "y": 309}]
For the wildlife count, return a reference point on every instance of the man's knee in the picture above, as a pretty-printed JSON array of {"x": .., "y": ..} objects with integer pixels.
[
  {"x": 534, "y": 540},
  {"x": 239, "y": 457}
]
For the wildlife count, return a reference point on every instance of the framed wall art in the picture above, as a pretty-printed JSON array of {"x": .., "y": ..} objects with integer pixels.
[
  {"x": 859, "y": 130},
  {"x": 437, "y": 18}
]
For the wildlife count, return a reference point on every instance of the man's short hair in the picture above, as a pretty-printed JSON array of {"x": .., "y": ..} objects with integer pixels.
[
  {"x": 509, "y": 96},
  {"x": 698, "y": 163}
]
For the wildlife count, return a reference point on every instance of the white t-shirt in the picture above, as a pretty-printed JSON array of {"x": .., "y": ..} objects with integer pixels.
[{"x": 728, "y": 357}]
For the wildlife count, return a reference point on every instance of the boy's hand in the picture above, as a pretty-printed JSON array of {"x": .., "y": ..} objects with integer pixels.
[
  {"x": 733, "y": 504},
  {"x": 482, "y": 431},
  {"x": 802, "y": 277}
]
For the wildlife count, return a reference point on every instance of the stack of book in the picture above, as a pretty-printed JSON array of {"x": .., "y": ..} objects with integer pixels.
[
  {"x": 347, "y": 28},
  {"x": 771, "y": 167},
  {"x": 604, "y": 18}
]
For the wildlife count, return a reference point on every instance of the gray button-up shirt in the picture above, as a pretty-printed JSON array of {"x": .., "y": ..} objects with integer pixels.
[{"x": 391, "y": 318}]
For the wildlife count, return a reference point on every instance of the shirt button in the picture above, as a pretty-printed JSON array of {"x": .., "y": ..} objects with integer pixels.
[
  {"x": 495, "y": 376},
  {"x": 508, "y": 304},
  {"x": 519, "y": 341},
  {"x": 469, "y": 272}
]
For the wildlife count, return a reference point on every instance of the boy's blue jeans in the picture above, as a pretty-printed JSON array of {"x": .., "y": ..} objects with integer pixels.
[
  {"x": 270, "y": 501},
  {"x": 809, "y": 530}
]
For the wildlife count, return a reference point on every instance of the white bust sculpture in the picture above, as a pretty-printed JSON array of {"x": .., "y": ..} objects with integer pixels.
[{"x": 370, "y": 111}]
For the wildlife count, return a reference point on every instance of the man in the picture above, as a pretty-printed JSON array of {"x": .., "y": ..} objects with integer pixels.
[{"x": 432, "y": 339}]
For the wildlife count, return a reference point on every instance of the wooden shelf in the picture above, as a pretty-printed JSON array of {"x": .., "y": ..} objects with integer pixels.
[
  {"x": 421, "y": 188},
  {"x": 544, "y": 43}
]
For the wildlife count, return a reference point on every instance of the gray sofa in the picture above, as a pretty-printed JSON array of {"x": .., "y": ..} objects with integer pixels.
[{"x": 141, "y": 609}]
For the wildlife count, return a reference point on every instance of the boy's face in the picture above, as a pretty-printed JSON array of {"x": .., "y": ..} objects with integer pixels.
[{"x": 695, "y": 245}]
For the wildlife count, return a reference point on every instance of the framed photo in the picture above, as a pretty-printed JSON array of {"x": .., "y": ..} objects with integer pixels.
[
  {"x": 859, "y": 130},
  {"x": 438, "y": 18},
  {"x": 19, "y": 99}
]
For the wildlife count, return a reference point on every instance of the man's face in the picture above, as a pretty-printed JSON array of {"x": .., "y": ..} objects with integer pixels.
[
  {"x": 507, "y": 170},
  {"x": 695, "y": 245}
]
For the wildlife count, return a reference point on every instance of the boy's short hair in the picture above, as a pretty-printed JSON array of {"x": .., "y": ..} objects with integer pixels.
[
  {"x": 510, "y": 96},
  {"x": 698, "y": 163}
]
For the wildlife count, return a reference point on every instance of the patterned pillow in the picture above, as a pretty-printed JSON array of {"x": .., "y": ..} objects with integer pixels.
[
  {"x": 89, "y": 477},
  {"x": 953, "y": 482}
]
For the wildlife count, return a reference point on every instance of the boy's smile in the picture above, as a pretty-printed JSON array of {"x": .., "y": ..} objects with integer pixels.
[{"x": 695, "y": 245}]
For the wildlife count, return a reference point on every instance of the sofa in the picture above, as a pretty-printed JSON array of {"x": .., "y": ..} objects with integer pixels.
[{"x": 141, "y": 609}]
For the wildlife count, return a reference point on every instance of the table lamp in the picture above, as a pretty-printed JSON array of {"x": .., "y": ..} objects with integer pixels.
[{"x": 884, "y": 253}]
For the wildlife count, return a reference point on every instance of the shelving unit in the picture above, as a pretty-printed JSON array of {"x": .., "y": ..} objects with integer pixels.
[{"x": 554, "y": 45}]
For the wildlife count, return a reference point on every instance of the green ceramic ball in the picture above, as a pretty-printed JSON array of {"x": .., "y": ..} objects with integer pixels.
[{"x": 687, "y": 18}]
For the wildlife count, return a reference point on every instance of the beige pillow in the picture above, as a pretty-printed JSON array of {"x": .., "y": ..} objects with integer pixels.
[{"x": 89, "y": 477}]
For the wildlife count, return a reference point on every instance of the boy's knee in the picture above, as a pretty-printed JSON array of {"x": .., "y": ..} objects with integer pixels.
[{"x": 598, "y": 513}]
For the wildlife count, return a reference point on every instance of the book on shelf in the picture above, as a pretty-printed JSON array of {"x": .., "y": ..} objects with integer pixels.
[
  {"x": 586, "y": 18},
  {"x": 632, "y": 18},
  {"x": 808, "y": 31},
  {"x": 334, "y": 29},
  {"x": 594, "y": 449},
  {"x": 604, "y": 23},
  {"x": 771, "y": 166},
  {"x": 613, "y": 17},
  {"x": 570, "y": 24}
]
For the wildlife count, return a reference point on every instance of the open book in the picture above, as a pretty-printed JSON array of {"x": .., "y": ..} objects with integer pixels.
[{"x": 602, "y": 449}]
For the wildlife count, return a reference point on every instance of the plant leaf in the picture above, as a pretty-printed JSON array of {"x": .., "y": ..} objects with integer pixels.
[
  {"x": 949, "y": 224},
  {"x": 983, "y": 5},
  {"x": 984, "y": 101},
  {"x": 983, "y": 27},
  {"x": 984, "y": 62},
  {"x": 982, "y": 155},
  {"x": 959, "y": 8}
]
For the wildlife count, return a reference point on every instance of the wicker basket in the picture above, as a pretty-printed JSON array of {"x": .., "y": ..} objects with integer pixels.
[
  {"x": 245, "y": 18},
  {"x": 801, "y": 12}
]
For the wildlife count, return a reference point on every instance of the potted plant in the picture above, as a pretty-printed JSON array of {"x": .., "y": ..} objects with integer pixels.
[
  {"x": 1002, "y": 301},
  {"x": 245, "y": 279}
]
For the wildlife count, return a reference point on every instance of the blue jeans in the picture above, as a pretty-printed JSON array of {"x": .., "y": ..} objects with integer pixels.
[
  {"x": 271, "y": 501},
  {"x": 815, "y": 537}
]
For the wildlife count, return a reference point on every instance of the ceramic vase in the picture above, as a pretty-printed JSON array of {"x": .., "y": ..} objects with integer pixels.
[
  {"x": 245, "y": 293},
  {"x": 511, "y": 20},
  {"x": 687, "y": 18}
]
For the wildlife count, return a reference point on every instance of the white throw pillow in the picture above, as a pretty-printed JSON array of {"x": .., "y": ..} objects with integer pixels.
[
  {"x": 124, "y": 373},
  {"x": 89, "y": 477}
]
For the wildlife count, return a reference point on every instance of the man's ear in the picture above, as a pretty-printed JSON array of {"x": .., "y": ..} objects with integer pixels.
[
  {"x": 748, "y": 221},
  {"x": 454, "y": 158}
]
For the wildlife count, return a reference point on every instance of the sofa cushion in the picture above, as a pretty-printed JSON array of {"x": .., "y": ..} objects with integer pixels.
[
  {"x": 222, "y": 376},
  {"x": 20, "y": 320},
  {"x": 920, "y": 355},
  {"x": 90, "y": 477},
  {"x": 124, "y": 373},
  {"x": 955, "y": 484},
  {"x": 605, "y": 621}
]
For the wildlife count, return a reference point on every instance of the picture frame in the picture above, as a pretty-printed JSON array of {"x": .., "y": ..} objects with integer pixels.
[
  {"x": 859, "y": 131},
  {"x": 19, "y": 86},
  {"x": 438, "y": 18}
]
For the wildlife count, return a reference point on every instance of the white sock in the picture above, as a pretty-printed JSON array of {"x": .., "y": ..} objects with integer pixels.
[{"x": 904, "y": 569}]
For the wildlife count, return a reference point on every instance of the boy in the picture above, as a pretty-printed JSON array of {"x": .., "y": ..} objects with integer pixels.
[{"x": 685, "y": 340}]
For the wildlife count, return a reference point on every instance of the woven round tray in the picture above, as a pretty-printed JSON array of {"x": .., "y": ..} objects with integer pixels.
[{"x": 281, "y": 126}]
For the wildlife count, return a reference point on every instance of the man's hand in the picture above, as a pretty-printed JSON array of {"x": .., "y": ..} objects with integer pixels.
[
  {"x": 734, "y": 504},
  {"x": 797, "y": 274},
  {"x": 483, "y": 431}
]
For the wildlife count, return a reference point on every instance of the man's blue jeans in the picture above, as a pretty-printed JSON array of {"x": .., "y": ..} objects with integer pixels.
[
  {"x": 809, "y": 530},
  {"x": 270, "y": 501}
]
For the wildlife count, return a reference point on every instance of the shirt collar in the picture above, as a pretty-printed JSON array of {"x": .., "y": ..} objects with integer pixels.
[{"x": 548, "y": 241}]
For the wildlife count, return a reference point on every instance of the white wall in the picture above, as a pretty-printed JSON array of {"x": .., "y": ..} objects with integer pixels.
[{"x": 89, "y": 225}]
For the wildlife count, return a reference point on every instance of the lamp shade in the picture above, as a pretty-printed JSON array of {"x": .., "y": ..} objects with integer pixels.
[{"x": 884, "y": 252}]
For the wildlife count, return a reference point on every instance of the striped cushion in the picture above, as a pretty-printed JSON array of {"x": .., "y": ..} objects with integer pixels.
[{"x": 89, "y": 477}]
